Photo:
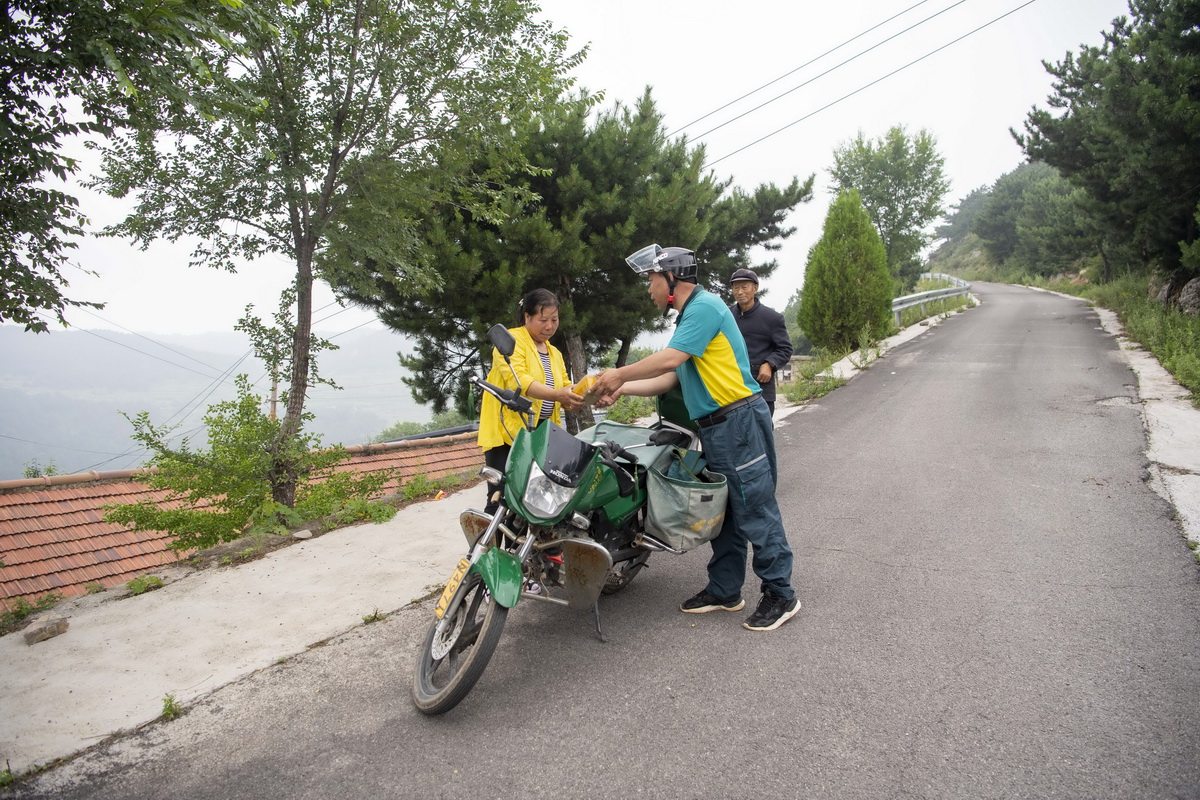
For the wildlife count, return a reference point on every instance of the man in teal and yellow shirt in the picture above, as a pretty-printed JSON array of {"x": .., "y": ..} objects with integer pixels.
[{"x": 707, "y": 358}]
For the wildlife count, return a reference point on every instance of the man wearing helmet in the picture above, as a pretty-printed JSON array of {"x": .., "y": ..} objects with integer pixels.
[{"x": 707, "y": 358}]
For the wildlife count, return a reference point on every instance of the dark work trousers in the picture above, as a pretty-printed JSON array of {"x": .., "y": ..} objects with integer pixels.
[
  {"x": 497, "y": 457},
  {"x": 742, "y": 448}
]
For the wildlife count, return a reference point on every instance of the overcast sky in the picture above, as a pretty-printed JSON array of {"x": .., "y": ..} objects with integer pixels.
[{"x": 698, "y": 56}]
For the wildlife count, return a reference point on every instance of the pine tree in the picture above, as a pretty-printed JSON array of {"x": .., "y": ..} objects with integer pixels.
[
  {"x": 605, "y": 184},
  {"x": 1124, "y": 124},
  {"x": 847, "y": 286}
]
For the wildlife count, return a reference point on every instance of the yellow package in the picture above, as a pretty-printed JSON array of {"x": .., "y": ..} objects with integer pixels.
[{"x": 584, "y": 389}]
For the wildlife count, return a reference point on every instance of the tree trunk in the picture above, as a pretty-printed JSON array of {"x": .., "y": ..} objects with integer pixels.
[
  {"x": 577, "y": 364},
  {"x": 623, "y": 352},
  {"x": 284, "y": 473}
]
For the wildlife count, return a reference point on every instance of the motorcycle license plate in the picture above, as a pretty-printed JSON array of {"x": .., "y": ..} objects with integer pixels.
[{"x": 460, "y": 572}]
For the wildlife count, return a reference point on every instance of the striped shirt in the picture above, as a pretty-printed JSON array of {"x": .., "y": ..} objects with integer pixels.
[{"x": 547, "y": 405}]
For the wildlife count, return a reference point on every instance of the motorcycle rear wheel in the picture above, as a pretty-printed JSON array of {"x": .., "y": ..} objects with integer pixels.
[{"x": 449, "y": 665}]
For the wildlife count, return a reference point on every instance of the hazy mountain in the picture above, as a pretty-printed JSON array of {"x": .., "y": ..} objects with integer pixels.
[{"x": 61, "y": 393}]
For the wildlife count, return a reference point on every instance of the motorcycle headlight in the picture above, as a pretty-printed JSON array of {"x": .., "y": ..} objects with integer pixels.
[{"x": 543, "y": 497}]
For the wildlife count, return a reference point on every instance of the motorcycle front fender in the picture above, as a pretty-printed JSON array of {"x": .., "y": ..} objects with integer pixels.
[{"x": 501, "y": 573}]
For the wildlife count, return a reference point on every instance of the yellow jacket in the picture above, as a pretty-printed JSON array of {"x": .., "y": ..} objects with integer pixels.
[{"x": 527, "y": 363}]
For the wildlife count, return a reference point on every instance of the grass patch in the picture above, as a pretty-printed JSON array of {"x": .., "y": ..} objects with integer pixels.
[
  {"x": 374, "y": 616},
  {"x": 812, "y": 382},
  {"x": 171, "y": 708},
  {"x": 14, "y": 618},
  {"x": 416, "y": 487},
  {"x": 146, "y": 583},
  {"x": 868, "y": 349}
]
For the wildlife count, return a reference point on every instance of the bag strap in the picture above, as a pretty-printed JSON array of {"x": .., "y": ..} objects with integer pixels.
[{"x": 678, "y": 454}]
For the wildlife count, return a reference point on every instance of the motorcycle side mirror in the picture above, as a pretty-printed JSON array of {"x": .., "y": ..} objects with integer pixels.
[{"x": 502, "y": 340}]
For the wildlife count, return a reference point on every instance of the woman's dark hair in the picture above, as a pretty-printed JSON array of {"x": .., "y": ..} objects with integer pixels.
[{"x": 534, "y": 302}]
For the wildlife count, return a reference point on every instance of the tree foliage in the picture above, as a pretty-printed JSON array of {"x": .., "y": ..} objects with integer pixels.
[
  {"x": 961, "y": 218},
  {"x": 70, "y": 68},
  {"x": 791, "y": 316},
  {"x": 902, "y": 183},
  {"x": 364, "y": 107},
  {"x": 605, "y": 184},
  {"x": 1125, "y": 126},
  {"x": 847, "y": 286},
  {"x": 1034, "y": 222},
  {"x": 440, "y": 422},
  {"x": 223, "y": 492}
]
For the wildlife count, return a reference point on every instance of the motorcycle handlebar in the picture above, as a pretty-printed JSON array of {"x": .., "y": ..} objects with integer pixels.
[
  {"x": 610, "y": 452},
  {"x": 509, "y": 398}
]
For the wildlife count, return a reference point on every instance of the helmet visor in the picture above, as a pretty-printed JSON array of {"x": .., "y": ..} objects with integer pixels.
[{"x": 644, "y": 260}]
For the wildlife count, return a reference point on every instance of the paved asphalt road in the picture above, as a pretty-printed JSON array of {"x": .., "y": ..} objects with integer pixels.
[{"x": 995, "y": 605}]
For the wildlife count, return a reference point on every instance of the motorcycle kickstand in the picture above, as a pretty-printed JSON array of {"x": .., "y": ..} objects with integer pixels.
[{"x": 596, "y": 617}]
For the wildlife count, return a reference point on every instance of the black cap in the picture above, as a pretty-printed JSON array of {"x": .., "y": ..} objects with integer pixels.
[{"x": 744, "y": 275}]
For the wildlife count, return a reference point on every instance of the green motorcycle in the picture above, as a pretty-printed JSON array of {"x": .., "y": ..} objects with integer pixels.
[{"x": 571, "y": 526}]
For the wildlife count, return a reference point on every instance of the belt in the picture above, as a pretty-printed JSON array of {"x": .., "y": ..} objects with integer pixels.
[{"x": 718, "y": 416}]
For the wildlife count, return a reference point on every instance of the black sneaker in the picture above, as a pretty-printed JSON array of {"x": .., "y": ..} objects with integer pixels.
[
  {"x": 704, "y": 602},
  {"x": 772, "y": 612}
]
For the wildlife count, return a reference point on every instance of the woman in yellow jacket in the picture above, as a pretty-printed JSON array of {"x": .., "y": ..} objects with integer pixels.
[{"x": 543, "y": 375}]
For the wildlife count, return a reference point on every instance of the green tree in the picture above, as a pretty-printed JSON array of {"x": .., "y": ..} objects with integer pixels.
[
  {"x": 1124, "y": 125},
  {"x": 220, "y": 493},
  {"x": 605, "y": 185},
  {"x": 961, "y": 218},
  {"x": 1034, "y": 221},
  {"x": 791, "y": 317},
  {"x": 996, "y": 224},
  {"x": 961, "y": 251},
  {"x": 440, "y": 422},
  {"x": 847, "y": 286},
  {"x": 902, "y": 183},
  {"x": 70, "y": 67},
  {"x": 363, "y": 105}
]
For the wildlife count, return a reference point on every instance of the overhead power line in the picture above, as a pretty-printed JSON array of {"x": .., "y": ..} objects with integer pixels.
[
  {"x": 868, "y": 85},
  {"x": 60, "y": 446},
  {"x": 147, "y": 338},
  {"x": 143, "y": 352},
  {"x": 794, "y": 71},
  {"x": 831, "y": 69}
]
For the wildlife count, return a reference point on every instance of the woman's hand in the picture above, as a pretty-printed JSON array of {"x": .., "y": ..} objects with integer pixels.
[{"x": 568, "y": 399}]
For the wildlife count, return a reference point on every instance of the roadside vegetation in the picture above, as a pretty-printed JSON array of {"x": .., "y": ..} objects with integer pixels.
[{"x": 15, "y": 617}]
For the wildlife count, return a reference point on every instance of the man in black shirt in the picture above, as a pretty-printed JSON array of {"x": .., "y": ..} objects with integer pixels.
[{"x": 763, "y": 329}]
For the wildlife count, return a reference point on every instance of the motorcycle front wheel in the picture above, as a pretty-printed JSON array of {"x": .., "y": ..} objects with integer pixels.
[{"x": 449, "y": 663}]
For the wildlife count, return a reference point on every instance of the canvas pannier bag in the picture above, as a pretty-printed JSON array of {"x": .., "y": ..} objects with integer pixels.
[{"x": 685, "y": 503}]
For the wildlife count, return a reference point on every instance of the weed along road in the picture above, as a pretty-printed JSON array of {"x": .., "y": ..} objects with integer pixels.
[{"x": 995, "y": 604}]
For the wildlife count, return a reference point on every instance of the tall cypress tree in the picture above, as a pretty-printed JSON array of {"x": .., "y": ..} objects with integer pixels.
[{"x": 847, "y": 285}]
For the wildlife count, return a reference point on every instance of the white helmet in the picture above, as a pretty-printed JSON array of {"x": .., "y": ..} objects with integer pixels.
[{"x": 652, "y": 258}]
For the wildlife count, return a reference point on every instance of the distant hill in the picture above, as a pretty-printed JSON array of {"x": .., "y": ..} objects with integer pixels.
[{"x": 61, "y": 393}]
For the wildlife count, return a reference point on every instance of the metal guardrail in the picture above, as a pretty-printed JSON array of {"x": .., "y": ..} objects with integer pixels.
[{"x": 922, "y": 299}]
